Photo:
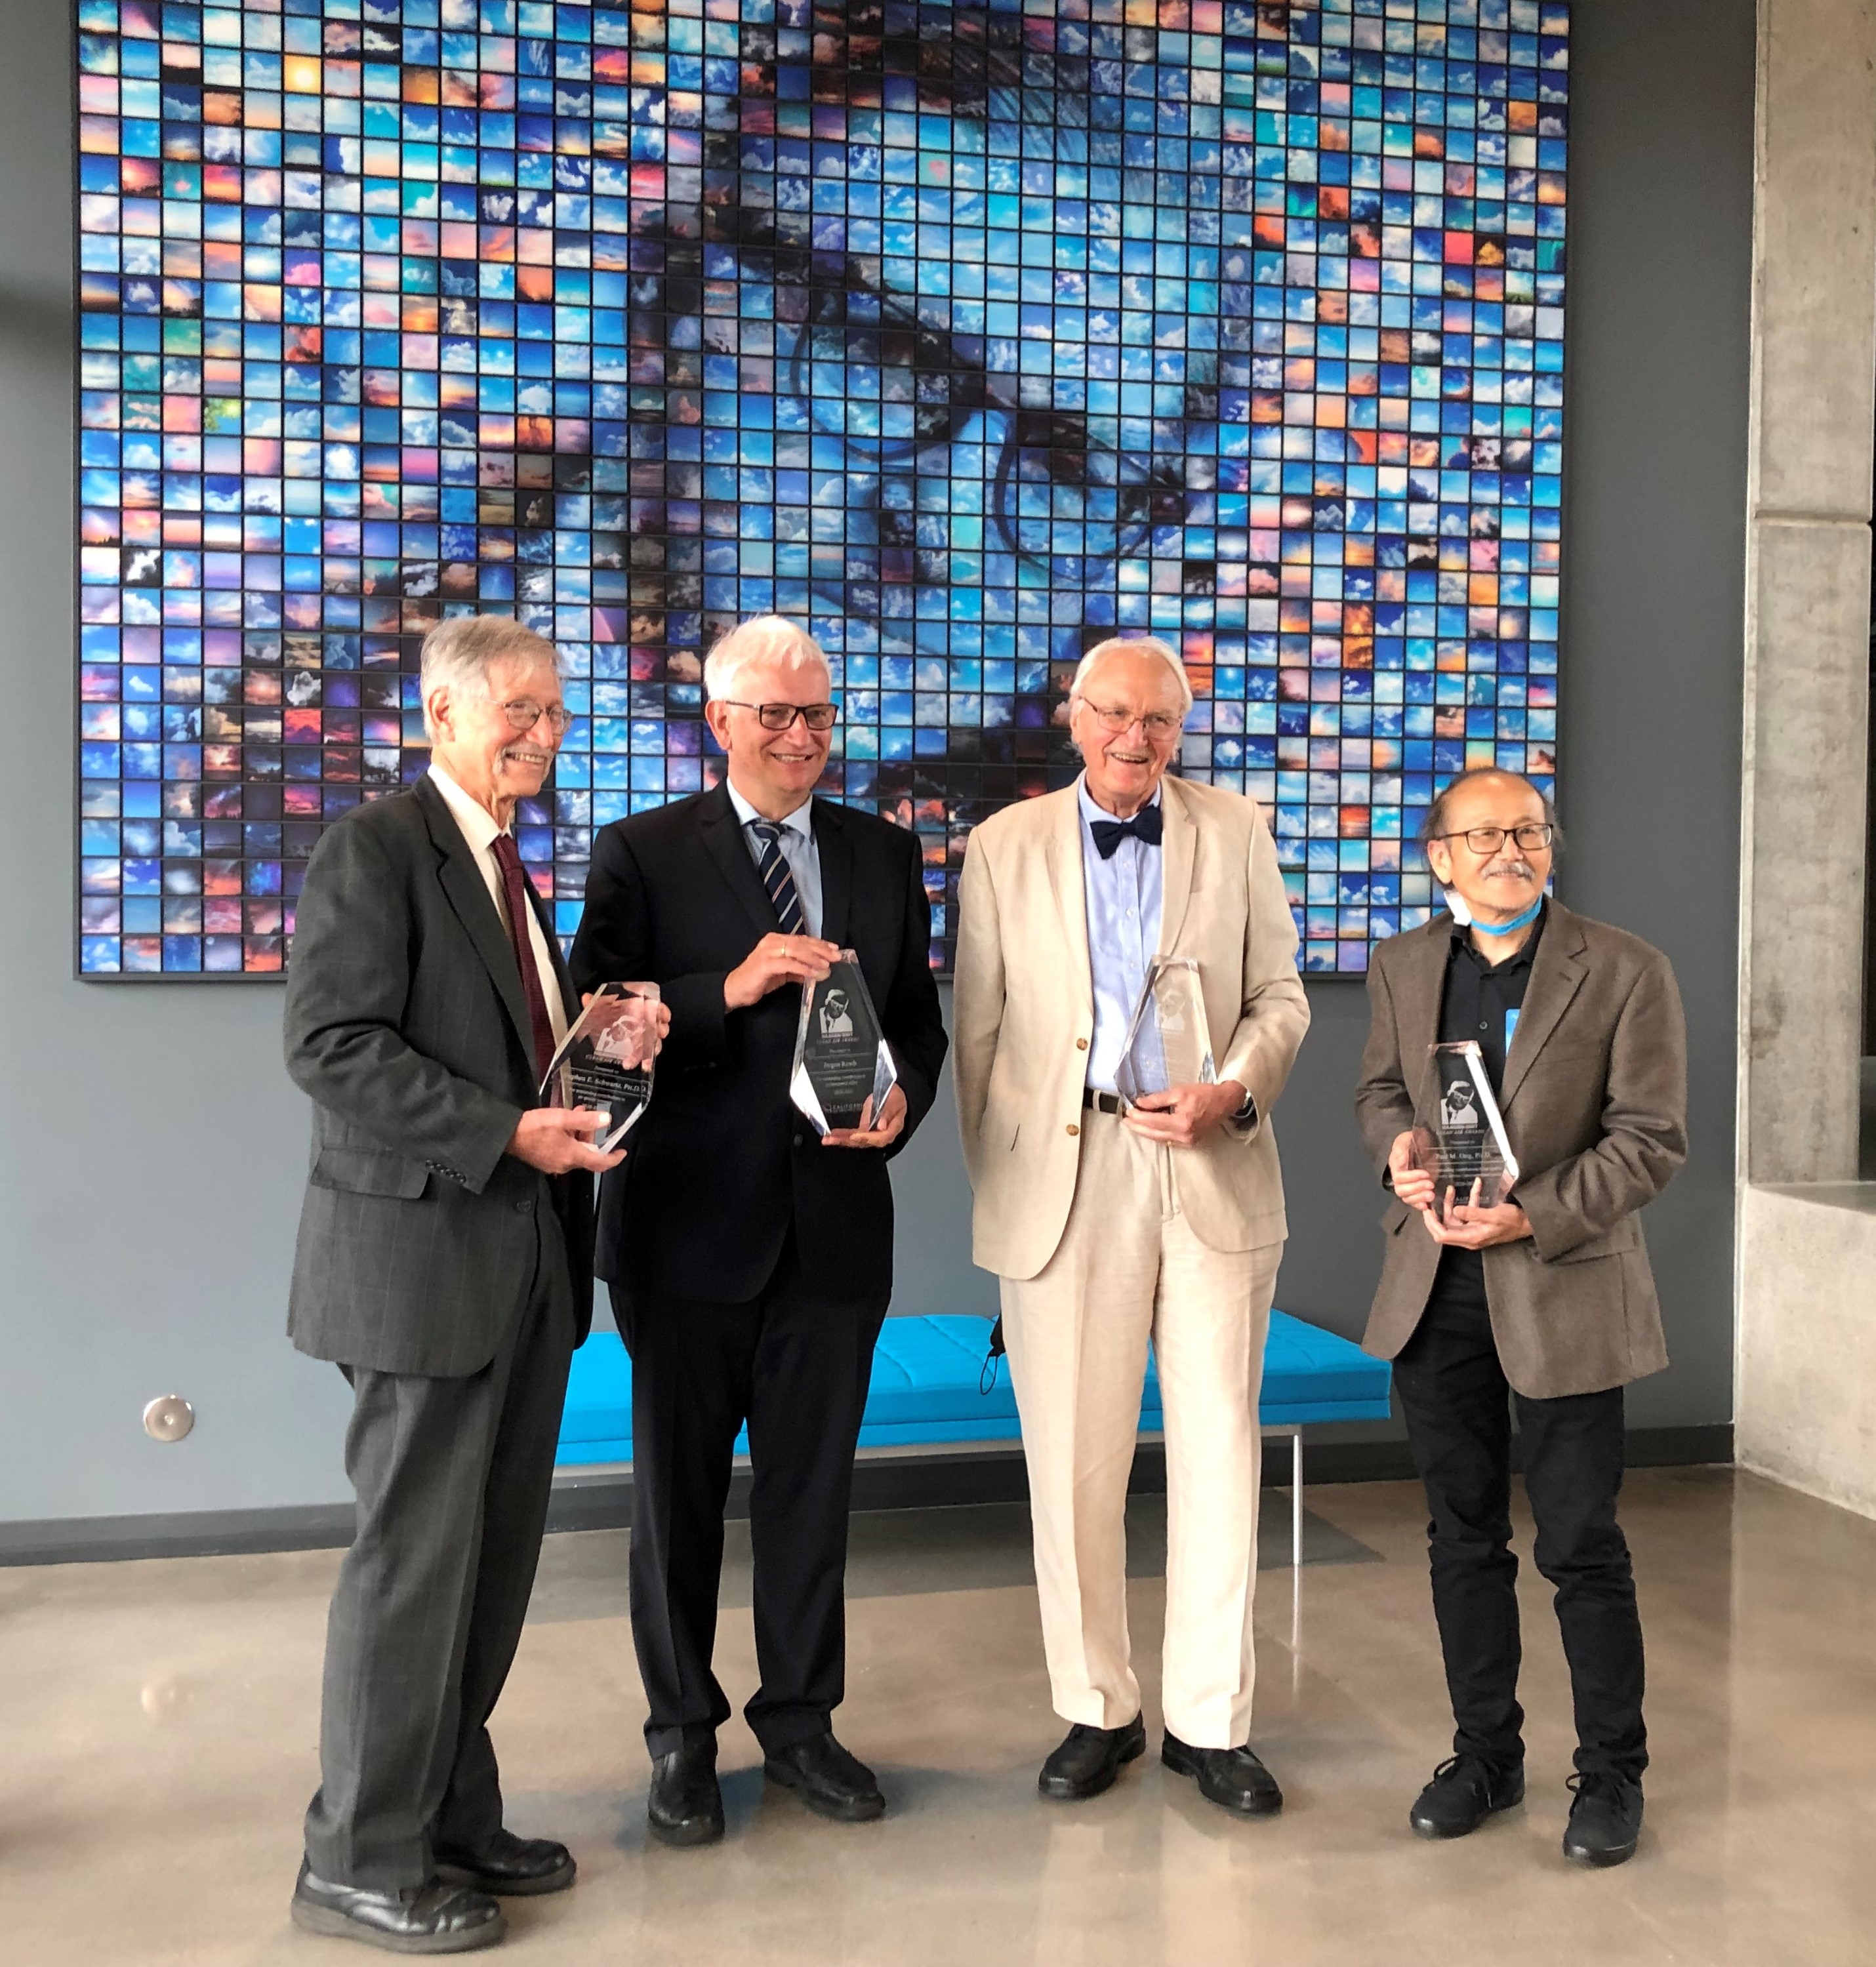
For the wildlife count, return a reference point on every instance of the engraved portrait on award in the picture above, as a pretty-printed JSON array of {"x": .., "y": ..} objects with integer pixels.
[
  {"x": 605, "y": 1062},
  {"x": 1468, "y": 1145},
  {"x": 1168, "y": 1041},
  {"x": 843, "y": 1067}
]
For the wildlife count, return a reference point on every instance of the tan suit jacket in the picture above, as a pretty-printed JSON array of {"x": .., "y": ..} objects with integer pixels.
[
  {"x": 1023, "y": 1014},
  {"x": 1595, "y": 1105}
]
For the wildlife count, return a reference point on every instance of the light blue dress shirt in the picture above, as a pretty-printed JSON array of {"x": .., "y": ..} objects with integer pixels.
[
  {"x": 1124, "y": 897},
  {"x": 798, "y": 850}
]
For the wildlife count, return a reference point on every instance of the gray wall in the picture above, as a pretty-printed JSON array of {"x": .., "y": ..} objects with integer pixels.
[{"x": 151, "y": 1147}]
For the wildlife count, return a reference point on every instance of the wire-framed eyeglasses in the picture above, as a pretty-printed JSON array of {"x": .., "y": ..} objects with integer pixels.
[{"x": 523, "y": 714}]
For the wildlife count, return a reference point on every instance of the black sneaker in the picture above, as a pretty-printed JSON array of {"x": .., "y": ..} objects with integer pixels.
[
  {"x": 1465, "y": 1791},
  {"x": 1605, "y": 1820}
]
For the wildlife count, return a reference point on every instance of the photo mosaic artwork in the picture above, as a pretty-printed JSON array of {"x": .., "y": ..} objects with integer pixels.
[{"x": 966, "y": 333}]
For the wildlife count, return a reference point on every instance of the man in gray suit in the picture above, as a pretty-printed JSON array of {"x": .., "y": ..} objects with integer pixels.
[
  {"x": 444, "y": 1264},
  {"x": 1544, "y": 1299}
]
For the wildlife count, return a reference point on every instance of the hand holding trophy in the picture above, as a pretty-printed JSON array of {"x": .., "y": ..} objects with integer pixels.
[
  {"x": 605, "y": 1062},
  {"x": 843, "y": 1079}
]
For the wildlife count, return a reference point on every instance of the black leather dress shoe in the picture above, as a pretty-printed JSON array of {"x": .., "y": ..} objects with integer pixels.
[
  {"x": 829, "y": 1781},
  {"x": 685, "y": 1806},
  {"x": 435, "y": 1918},
  {"x": 510, "y": 1867},
  {"x": 1089, "y": 1759},
  {"x": 1605, "y": 1821},
  {"x": 1233, "y": 1779},
  {"x": 1465, "y": 1791}
]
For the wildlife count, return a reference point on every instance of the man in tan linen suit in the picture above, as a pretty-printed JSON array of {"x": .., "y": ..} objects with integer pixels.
[
  {"x": 1109, "y": 1226},
  {"x": 1545, "y": 1300}
]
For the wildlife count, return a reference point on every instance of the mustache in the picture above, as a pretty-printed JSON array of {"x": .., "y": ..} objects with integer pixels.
[{"x": 1517, "y": 869}]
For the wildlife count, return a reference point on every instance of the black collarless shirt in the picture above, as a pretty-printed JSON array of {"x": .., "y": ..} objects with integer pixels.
[{"x": 1481, "y": 1001}]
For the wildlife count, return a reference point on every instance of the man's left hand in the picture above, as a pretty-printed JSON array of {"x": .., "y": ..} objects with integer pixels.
[
  {"x": 1469, "y": 1225},
  {"x": 892, "y": 1124},
  {"x": 1184, "y": 1116}
]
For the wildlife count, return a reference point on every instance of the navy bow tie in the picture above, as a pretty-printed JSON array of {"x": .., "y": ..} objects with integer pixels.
[{"x": 1146, "y": 827}]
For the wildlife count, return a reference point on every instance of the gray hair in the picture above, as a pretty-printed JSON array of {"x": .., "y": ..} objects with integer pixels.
[
  {"x": 1149, "y": 645},
  {"x": 762, "y": 638},
  {"x": 457, "y": 653},
  {"x": 1433, "y": 825}
]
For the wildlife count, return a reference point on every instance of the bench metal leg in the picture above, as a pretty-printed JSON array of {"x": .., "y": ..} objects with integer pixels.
[{"x": 1296, "y": 1500}]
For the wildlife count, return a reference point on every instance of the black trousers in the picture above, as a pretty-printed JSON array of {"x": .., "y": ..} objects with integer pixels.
[
  {"x": 452, "y": 1477},
  {"x": 1458, "y": 1405},
  {"x": 795, "y": 1366}
]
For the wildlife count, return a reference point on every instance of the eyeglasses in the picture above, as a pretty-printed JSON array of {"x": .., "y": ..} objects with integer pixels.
[
  {"x": 781, "y": 716},
  {"x": 1489, "y": 839},
  {"x": 523, "y": 714},
  {"x": 1159, "y": 724}
]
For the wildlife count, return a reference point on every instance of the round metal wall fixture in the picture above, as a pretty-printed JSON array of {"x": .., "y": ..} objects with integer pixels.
[{"x": 168, "y": 1418}]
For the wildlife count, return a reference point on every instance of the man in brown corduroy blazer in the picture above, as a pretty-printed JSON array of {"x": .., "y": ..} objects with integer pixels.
[{"x": 1544, "y": 1301}]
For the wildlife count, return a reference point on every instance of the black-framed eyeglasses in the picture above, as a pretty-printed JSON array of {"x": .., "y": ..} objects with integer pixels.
[
  {"x": 523, "y": 714},
  {"x": 1489, "y": 839},
  {"x": 781, "y": 716}
]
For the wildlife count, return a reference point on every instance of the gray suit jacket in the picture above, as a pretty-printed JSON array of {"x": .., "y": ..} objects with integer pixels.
[
  {"x": 407, "y": 1026},
  {"x": 1595, "y": 1105}
]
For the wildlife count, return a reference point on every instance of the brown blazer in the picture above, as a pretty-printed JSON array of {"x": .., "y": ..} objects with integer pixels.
[{"x": 1595, "y": 1105}]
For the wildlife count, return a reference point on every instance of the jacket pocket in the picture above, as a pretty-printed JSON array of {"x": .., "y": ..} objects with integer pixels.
[
  {"x": 1625, "y": 1235},
  {"x": 369, "y": 1171}
]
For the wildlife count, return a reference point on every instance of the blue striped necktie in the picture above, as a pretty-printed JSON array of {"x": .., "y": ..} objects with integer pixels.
[{"x": 777, "y": 880}]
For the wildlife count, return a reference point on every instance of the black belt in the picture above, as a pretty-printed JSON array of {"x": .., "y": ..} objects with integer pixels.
[{"x": 1103, "y": 1103}]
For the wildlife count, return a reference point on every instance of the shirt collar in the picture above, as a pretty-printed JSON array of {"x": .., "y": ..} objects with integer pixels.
[
  {"x": 800, "y": 821},
  {"x": 476, "y": 821},
  {"x": 1092, "y": 810}
]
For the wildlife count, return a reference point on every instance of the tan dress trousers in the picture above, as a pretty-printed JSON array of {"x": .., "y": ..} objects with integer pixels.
[{"x": 1128, "y": 1269}]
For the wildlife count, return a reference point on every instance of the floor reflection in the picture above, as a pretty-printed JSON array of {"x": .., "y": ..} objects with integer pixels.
[{"x": 159, "y": 1723}]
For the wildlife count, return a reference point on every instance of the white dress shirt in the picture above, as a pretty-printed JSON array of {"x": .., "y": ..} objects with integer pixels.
[
  {"x": 1124, "y": 900},
  {"x": 797, "y": 849},
  {"x": 477, "y": 826}
]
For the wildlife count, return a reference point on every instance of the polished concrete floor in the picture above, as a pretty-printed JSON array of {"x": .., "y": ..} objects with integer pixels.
[{"x": 157, "y": 1726}]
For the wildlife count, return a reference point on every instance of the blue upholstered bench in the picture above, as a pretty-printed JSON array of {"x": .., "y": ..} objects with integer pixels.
[{"x": 928, "y": 1390}]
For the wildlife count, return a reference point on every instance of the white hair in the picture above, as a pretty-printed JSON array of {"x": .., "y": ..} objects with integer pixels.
[
  {"x": 457, "y": 653},
  {"x": 1150, "y": 645},
  {"x": 762, "y": 638}
]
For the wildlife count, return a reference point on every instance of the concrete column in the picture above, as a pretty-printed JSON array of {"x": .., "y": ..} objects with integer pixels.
[
  {"x": 1807, "y": 1365},
  {"x": 1808, "y": 571}
]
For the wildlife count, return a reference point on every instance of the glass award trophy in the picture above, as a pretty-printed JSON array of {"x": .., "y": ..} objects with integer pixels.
[
  {"x": 1468, "y": 1145},
  {"x": 1168, "y": 1043},
  {"x": 605, "y": 1062},
  {"x": 844, "y": 1067}
]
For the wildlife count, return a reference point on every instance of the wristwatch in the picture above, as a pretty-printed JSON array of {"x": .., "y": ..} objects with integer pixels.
[{"x": 1246, "y": 1115}]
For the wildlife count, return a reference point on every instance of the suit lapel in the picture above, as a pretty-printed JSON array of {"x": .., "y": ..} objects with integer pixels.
[
  {"x": 1178, "y": 847},
  {"x": 1064, "y": 855},
  {"x": 1418, "y": 983},
  {"x": 836, "y": 853},
  {"x": 723, "y": 838},
  {"x": 1557, "y": 974},
  {"x": 469, "y": 896}
]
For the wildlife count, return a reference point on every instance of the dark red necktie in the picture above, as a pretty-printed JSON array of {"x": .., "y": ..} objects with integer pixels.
[{"x": 520, "y": 908}]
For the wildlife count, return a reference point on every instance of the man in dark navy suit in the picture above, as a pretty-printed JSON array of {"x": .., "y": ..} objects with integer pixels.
[{"x": 751, "y": 1260}]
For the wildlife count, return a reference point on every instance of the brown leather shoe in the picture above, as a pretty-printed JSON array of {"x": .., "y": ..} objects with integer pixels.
[{"x": 432, "y": 1918}]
